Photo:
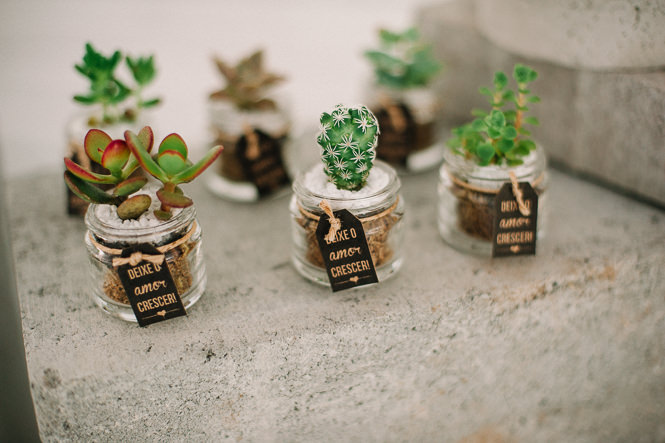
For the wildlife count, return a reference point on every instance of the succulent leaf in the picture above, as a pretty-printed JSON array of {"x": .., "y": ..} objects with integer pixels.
[
  {"x": 146, "y": 137},
  {"x": 173, "y": 199},
  {"x": 143, "y": 157},
  {"x": 173, "y": 142},
  {"x": 86, "y": 175},
  {"x": 134, "y": 207},
  {"x": 171, "y": 162},
  {"x": 193, "y": 171},
  {"x": 88, "y": 192},
  {"x": 94, "y": 143},
  {"x": 162, "y": 215},
  {"x": 129, "y": 186},
  {"x": 115, "y": 155}
]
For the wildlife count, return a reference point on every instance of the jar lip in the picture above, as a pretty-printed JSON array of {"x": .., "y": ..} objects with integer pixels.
[
  {"x": 534, "y": 163},
  {"x": 391, "y": 187},
  {"x": 110, "y": 231}
]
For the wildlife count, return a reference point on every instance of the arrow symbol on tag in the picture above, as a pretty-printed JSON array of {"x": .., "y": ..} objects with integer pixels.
[{"x": 515, "y": 249}]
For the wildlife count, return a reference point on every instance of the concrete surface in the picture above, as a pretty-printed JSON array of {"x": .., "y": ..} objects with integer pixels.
[
  {"x": 589, "y": 34},
  {"x": 609, "y": 126},
  {"x": 565, "y": 346}
]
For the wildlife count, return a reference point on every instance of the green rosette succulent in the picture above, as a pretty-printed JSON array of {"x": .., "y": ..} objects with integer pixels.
[
  {"x": 171, "y": 166},
  {"x": 500, "y": 135},
  {"x": 115, "y": 156},
  {"x": 348, "y": 139}
]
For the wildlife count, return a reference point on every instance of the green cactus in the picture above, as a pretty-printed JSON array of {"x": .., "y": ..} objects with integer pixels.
[
  {"x": 115, "y": 156},
  {"x": 348, "y": 140},
  {"x": 170, "y": 166}
]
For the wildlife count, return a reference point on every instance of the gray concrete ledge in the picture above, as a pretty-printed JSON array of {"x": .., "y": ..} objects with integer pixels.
[{"x": 565, "y": 346}]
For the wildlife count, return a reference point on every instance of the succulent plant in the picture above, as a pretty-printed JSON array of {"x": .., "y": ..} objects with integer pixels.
[
  {"x": 246, "y": 83},
  {"x": 403, "y": 60},
  {"x": 499, "y": 135},
  {"x": 108, "y": 91},
  {"x": 115, "y": 156},
  {"x": 171, "y": 166},
  {"x": 348, "y": 139}
]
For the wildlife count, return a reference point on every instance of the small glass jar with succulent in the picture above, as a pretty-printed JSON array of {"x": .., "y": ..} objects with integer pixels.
[
  {"x": 404, "y": 101},
  {"x": 137, "y": 213},
  {"x": 113, "y": 105},
  {"x": 254, "y": 128},
  {"x": 494, "y": 149},
  {"x": 348, "y": 178}
]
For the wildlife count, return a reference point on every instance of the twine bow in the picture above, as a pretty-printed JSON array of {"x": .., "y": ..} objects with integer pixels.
[
  {"x": 335, "y": 223},
  {"x": 137, "y": 257},
  {"x": 518, "y": 195}
]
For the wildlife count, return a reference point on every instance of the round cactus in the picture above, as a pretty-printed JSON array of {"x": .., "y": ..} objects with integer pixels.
[{"x": 348, "y": 140}]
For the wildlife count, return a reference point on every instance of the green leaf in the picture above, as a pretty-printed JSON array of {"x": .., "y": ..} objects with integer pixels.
[
  {"x": 94, "y": 143},
  {"x": 146, "y": 137},
  {"x": 505, "y": 145},
  {"x": 485, "y": 152},
  {"x": 479, "y": 125},
  {"x": 143, "y": 157},
  {"x": 173, "y": 199},
  {"x": 129, "y": 186},
  {"x": 521, "y": 73},
  {"x": 195, "y": 170},
  {"x": 496, "y": 119},
  {"x": 485, "y": 91},
  {"x": 173, "y": 142},
  {"x": 533, "y": 99},
  {"x": 134, "y": 207},
  {"x": 509, "y": 132},
  {"x": 115, "y": 156},
  {"x": 88, "y": 176},
  {"x": 479, "y": 113},
  {"x": 151, "y": 103},
  {"x": 500, "y": 80},
  {"x": 171, "y": 162},
  {"x": 88, "y": 192}
]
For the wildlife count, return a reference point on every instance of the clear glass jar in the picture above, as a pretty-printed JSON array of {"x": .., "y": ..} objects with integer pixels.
[
  {"x": 410, "y": 136},
  {"x": 381, "y": 214},
  {"x": 184, "y": 258},
  {"x": 467, "y": 193},
  {"x": 269, "y": 130}
]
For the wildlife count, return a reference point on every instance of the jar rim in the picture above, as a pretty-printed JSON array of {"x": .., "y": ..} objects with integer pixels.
[
  {"x": 377, "y": 197},
  {"x": 132, "y": 234},
  {"x": 534, "y": 164}
]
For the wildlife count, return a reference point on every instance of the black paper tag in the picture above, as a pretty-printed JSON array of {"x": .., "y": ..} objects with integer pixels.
[
  {"x": 347, "y": 259},
  {"x": 264, "y": 167},
  {"x": 150, "y": 288},
  {"x": 514, "y": 233}
]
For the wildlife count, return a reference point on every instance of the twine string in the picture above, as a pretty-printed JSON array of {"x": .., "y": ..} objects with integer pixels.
[
  {"x": 335, "y": 223},
  {"x": 253, "y": 151},
  {"x": 137, "y": 257},
  {"x": 518, "y": 195},
  {"x": 395, "y": 113}
]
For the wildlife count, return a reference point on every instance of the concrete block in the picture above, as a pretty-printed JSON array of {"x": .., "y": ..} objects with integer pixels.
[
  {"x": 606, "y": 126},
  {"x": 590, "y": 34}
]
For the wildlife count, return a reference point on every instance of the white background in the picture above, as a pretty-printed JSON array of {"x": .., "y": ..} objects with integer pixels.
[{"x": 318, "y": 45}]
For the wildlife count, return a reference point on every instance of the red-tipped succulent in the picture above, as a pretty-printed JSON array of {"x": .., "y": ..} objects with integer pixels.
[
  {"x": 170, "y": 166},
  {"x": 117, "y": 158}
]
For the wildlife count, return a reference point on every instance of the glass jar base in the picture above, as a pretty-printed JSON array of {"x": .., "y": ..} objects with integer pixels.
[
  {"x": 319, "y": 275},
  {"x": 126, "y": 313},
  {"x": 464, "y": 242}
]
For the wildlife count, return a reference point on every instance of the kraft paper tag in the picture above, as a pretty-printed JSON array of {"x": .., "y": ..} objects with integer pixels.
[
  {"x": 150, "y": 287},
  {"x": 347, "y": 259},
  {"x": 515, "y": 233}
]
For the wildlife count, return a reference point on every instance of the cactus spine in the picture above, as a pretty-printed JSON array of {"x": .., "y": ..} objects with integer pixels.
[{"x": 348, "y": 140}]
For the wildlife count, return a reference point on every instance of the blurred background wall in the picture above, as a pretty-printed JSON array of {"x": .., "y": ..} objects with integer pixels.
[{"x": 317, "y": 45}]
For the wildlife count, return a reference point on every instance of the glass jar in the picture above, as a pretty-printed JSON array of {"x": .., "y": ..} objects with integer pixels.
[
  {"x": 179, "y": 239},
  {"x": 252, "y": 164},
  {"x": 467, "y": 194},
  {"x": 381, "y": 214},
  {"x": 410, "y": 137}
]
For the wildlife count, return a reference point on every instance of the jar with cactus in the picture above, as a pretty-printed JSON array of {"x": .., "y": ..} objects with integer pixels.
[
  {"x": 138, "y": 225},
  {"x": 113, "y": 104},
  {"x": 404, "y": 101},
  {"x": 494, "y": 149},
  {"x": 254, "y": 128},
  {"x": 348, "y": 178}
]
